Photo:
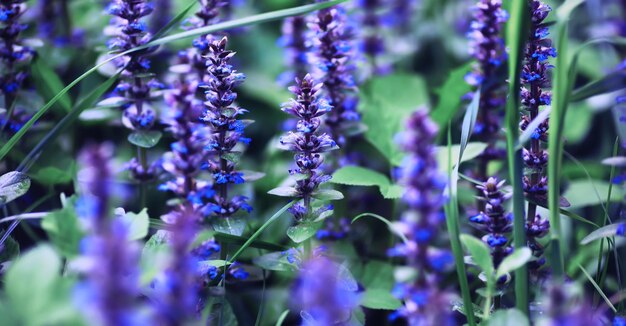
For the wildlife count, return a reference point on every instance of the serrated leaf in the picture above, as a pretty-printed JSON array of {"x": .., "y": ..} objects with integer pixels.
[
  {"x": 13, "y": 185},
  {"x": 380, "y": 299},
  {"x": 327, "y": 194},
  {"x": 390, "y": 99},
  {"x": 231, "y": 225},
  {"x": 610, "y": 230},
  {"x": 303, "y": 231},
  {"x": 145, "y": 139},
  {"x": 359, "y": 176},
  {"x": 515, "y": 260},
  {"x": 137, "y": 224},
  {"x": 284, "y": 192},
  {"x": 393, "y": 192},
  {"x": 480, "y": 253}
]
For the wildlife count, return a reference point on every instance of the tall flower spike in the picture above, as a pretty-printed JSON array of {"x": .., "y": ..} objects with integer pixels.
[
  {"x": 129, "y": 31},
  {"x": 13, "y": 55},
  {"x": 534, "y": 94},
  {"x": 323, "y": 295},
  {"x": 109, "y": 292},
  {"x": 308, "y": 144},
  {"x": 295, "y": 43},
  {"x": 494, "y": 220},
  {"x": 226, "y": 131},
  {"x": 162, "y": 15},
  {"x": 372, "y": 42},
  {"x": 402, "y": 14},
  {"x": 487, "y": 47},
  {"x": 565, "y": 305},
  {"x": 424, "y": 302},
  {"x": 332, "y": 56}
]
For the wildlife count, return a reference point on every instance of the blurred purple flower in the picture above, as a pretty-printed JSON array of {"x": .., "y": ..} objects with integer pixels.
[
  {"x": 296, "y": 50},
  {"x": 109, "y": 292},
  {"x": 324, "y": 293},
  {"x": 161, "y": 16},
  {"x": 424, "y": 302},
  {"x": 332, "y": 55},
  {"x": 487, "y": 47},
  {"x": 372, "y": 41},
  {"x": 307, "y": 142}
]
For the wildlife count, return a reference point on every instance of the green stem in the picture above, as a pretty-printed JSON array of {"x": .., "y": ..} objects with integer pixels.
[
  {"x": 452, "y": 223},
  {"x": 487, "y": 306},
  {"x": 143, "y": 159}
]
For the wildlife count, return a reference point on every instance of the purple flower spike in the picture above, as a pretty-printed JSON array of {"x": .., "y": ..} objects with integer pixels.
[
  {"x": 13, "y": 54},
  {"x": 129, "y": 31},
  {"x": 226, "y": 130},
  {"x": 296, "y": 49},
  {"x": 487, "y": 47},
  {"x": 373, "y": 43},
  {"x": 535, "y": 94},
  {"x": 307, "y": 142},
  {"x": 424, "y": 302},
  {"x": 333, "y": 57},
  {"x": 109, "y": 292},
  {"x": 494, "y": 220}
]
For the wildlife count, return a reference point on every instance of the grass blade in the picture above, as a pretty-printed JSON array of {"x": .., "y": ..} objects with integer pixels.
[
  {"x": 595, "y": 285},
  {"x": 452, "y": 224},
  {"x": 516, "y": 35},
  {"x": 255, "y": 19},
  {"x": 259, "y": 231},
  {"x": 384, "y": 220}
]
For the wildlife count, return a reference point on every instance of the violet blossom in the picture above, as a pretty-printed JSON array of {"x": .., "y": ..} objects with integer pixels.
[
  {"x": 373, "y": 43},
  {"x": 534, "y": 94},
  {"x": 425, "y": 303},
  {"x": 332, "y": 55},
  {"x": 294, "y": 40},
  {"x": 308, "y": 144}
]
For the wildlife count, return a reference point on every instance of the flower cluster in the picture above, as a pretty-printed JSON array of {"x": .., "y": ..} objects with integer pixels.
[
  {"x": 181, "y": 282},
  {"x": 373, "y": 43},
  {"x": 226, "y": 130},
  {"x": 55, "y": 25},
  {"x": 12, "y": 52},
  {"x": 333, "y": 53},
  {"x": 534, "y": 94},
  {"x": 324, "y": 296},
  {"x": 494, "y": 220},
  {"x": 424, "y": 302},
  {"x": 564, "y": 305},
  {"x": 162, "y": 15},
  {"x": 109, "y": 292},
  {"x": 307, "y": 142},
  {"x": 487, "y": 47},
  {"x": 296, "y": 50},
  {"x": 128, "y": 32},
  {"x": 334, "y": 229},
  {"x": 402, "y": 14}
]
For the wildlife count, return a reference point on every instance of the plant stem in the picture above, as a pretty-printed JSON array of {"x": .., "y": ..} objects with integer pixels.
[{"x": 143, "y": 159}]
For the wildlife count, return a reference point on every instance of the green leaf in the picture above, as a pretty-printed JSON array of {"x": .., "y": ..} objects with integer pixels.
[
  {"x": 137, "y": 224},
  {"x": 327, "y": 194},
  {"x": 515, "y": 260},
  {"x": 480, "y": 254},
  {"x": 274, "y": 261},
  {"x": 611, "y": 82},
  {"x": 508, "y": 317},
  {"x": 9, "y": 250},
  {"x": 360, "y": 176},
  {"x": 607, "y": 231},
  {"x": 229, "y": 238},
  {"x": 377, "y": 275},
  {"x": 284, "y": 192},
  {"x": 582, "y": 193},
  {"x": 450, "y": 95},
  {"x": 13, "y": 185},
  {"x": 232, "y": 225},
  {"x": 390, "y": 99},
  {"x": 49, "y": 84},
  {"x": 35, "y": 290},
  {"x": 154, "y": 256},
  {"x": 63, "y": 228},
  {"x": 303, "y": 231},
  {"x": 380, "y": 299},
  {"x": 145, "y": 139},
  {"x": 51, "y": 175},
  {"x": 472, "y": 150}
]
